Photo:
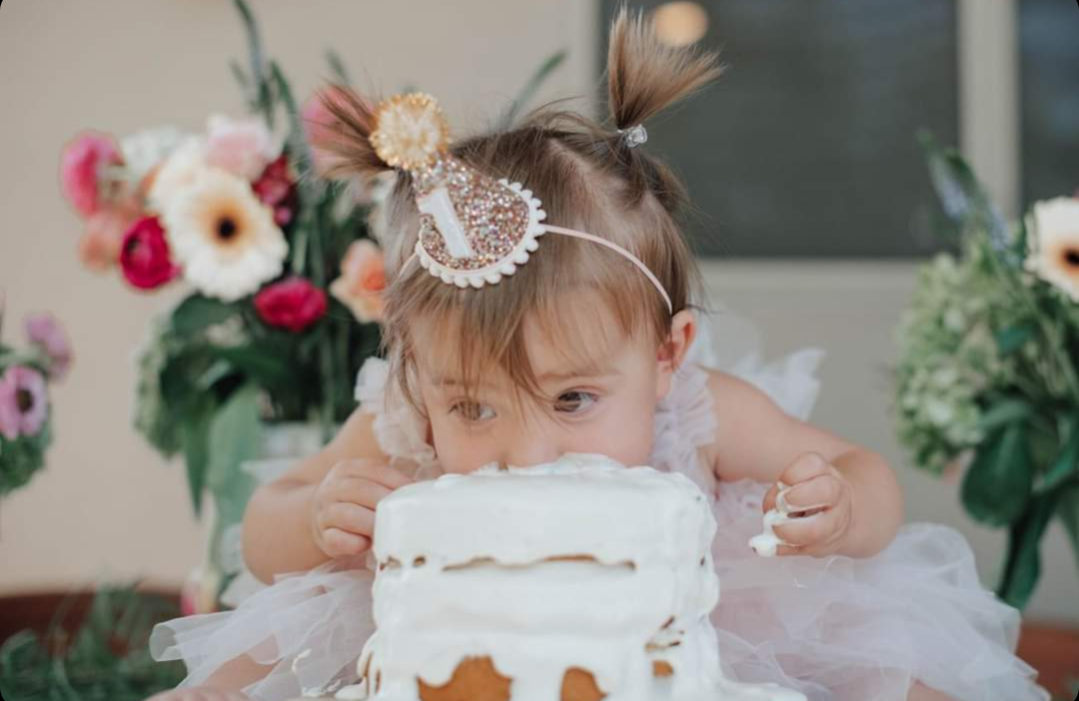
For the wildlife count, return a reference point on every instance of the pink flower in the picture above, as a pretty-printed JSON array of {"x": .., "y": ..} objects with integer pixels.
[
  {"x": 23, "y": 402},
  {"x": 81, "y": 166},
  {"x": 362, "y": 281},
  {"x": 241, "y": 146},
  {"x": 318, "y": 122},
  {"x": 276, "y": 188},
  {"x": 144, "y": 256},
  {"x": 292, "y": 304},
  {"x": 45, "y": 331},
  {"x": 99, "y": 248}
]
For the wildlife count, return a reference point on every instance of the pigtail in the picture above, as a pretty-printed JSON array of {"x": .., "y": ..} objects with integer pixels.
[
  {"x": 346, "y": 140},
  {"x": 646, "y": 76}
]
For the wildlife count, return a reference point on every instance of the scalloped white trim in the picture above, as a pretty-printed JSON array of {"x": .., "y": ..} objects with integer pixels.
[{"x": 493, "y": 273}]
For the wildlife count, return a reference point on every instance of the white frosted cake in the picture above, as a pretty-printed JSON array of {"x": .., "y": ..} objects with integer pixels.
[{"x": 579, "y": 580}]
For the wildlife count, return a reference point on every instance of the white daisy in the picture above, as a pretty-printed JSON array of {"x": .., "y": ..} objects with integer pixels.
[
  {"x": 223, "y": 237},
  {"x": 1054, "y": 244},
  {"x": 184, "y": 167}
]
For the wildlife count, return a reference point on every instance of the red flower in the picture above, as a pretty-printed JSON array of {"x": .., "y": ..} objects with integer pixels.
[
  {"x": 144, "y": 255},
  {"x": 277, "y": 189},
  {"x": 292, "y": 304}
]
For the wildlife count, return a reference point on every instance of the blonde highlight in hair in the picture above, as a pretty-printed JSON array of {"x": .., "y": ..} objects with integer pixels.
[{"x": 589, "y": 180}]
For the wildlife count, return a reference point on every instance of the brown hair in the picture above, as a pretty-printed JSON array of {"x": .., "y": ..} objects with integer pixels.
[{"x": 588, "y": 179}]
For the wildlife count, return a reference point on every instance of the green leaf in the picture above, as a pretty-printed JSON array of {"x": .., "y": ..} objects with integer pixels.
[
  {"x": 264, "y": 98},
  {"x": 259, "y": 362},
  {"x": 1022, "y": 566},
  {"x": 234, "y": 439},
  {"x": 297, "y": 138},
  {"x": 1066, "y": 465},
  {"x": 531, "y": 88},
  {"x": 241, "y": 77},
  {"x": 1005, "y": 412},
  {"x": 337, "y": 67},
  {"x": 214, "y": 374},
  {"x": 194, "y": 436},
  {"x": 1012, "y": 338},
  {"x": 998, "y": 484},
  {"x": 197, "y": 313},
  {"x": 961, "y": 195}
]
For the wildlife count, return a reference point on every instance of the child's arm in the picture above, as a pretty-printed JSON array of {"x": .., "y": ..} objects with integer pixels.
[
  {"x": 323, "y": 507},
  {"x": 860, "y": 499}
]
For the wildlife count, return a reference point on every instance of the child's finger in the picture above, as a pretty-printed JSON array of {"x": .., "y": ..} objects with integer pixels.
[
  {"x": 806, "y": 531},
  {"x": 769, "y": 501},
  {"x": 805, "y": 468},
  {"x": 358, "y": 490},
  {"x": 349, "y": 518},
  {"x": 788, "y": 550},
  {"x": 818, "y": 492},
  {"x": 338, "y": 543}
]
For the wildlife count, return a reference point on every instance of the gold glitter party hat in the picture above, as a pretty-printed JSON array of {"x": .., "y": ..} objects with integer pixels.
[{"x": 473, "y": 229}]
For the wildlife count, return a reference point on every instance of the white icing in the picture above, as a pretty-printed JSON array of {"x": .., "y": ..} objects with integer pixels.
[
  {"x": 579, "y": 563},
  {"x": 766, "y": 543}
]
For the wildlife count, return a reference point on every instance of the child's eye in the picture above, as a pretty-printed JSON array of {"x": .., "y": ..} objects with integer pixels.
[
  {"x": 576, "y": 402},
  {"x": 473, "y": 412}
]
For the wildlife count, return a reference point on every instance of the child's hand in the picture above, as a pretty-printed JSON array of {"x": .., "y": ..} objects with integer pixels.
[
  {"x": 343, "y": 508},
  {"x": 820, "y": 500},
  {"x": 199, "y": 693}
]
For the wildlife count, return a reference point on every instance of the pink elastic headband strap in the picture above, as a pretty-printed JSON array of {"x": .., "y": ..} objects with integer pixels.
[
  {"x": 614, "y": 247},
  {"x": 618, "y": 249}
]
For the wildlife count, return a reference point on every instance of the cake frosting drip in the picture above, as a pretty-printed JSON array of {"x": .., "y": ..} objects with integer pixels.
[{"x": 581, "y": 563}]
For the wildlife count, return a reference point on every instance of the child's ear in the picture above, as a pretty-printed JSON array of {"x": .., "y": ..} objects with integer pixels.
[{"x": 672, "y": 352}]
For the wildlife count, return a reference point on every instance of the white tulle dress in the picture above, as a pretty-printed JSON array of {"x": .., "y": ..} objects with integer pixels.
[{"x": 835, "y": 628}]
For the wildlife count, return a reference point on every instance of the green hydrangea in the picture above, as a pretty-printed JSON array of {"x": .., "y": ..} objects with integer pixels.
[{"x": 949, "y": 356}]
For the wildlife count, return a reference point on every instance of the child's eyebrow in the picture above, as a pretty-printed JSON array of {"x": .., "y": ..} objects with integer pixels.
[{"x": 589, "y": 373}]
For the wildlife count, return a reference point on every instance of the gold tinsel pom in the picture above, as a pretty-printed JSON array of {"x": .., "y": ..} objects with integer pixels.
[{"x": 410, "y": 131}]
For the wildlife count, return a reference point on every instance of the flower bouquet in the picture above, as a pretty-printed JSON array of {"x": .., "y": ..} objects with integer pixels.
[
  {"x": 988, "y": 379},
  {"x": 25, "y": 411},
  {"x": 283, "y": 283}
]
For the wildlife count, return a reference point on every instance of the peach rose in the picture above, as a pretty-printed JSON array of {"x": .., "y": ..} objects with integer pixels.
[
  {"x": 99, "y": 247},
  {"x": 362, "y": 281}
]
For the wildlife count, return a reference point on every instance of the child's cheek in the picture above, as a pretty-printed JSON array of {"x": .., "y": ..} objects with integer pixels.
[
  {"x": 625, "y": 435},
  {"x": 459, "y": 453}
]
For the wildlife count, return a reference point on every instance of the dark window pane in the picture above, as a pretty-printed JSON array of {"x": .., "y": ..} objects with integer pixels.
[
  {"x": 1049, "y": 48},
  {"x": 807, "y": 145}
]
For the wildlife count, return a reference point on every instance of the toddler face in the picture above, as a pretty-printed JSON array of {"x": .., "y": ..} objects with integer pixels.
[{"x": 612, "y": 412}]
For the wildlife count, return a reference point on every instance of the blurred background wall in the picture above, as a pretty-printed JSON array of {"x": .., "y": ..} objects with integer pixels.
[{"x": 786, "y": 233}]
